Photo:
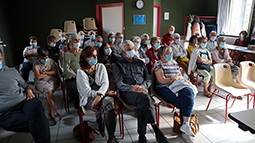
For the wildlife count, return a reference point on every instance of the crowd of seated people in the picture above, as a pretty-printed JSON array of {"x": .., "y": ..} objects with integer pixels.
[{"x": 94, "y": 70}]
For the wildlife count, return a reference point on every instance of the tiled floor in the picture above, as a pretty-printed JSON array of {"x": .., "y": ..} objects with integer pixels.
[{"x": 213, "y": 129}]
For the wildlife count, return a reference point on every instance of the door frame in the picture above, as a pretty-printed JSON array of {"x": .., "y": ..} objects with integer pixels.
[
  {"x": 99, "y": 15},
  {"x": 159, "y": 18}
]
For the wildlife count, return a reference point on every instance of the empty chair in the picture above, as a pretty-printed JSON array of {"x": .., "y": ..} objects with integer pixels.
[
  {"x": 223, "y": 81},
  {"x": 55, "y": 32},
  {"x": 247, "y": 78},
  {"x": 90, "y": 24},
  {"x": 70, "y": 27}
]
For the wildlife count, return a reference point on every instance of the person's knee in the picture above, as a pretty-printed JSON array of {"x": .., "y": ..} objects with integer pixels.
[
  {"x": 145, "y": 98},
  {"x": 35, "y": 104}
]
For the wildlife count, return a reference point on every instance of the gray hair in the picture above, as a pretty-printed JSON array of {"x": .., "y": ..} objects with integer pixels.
[
  {"x": 134, "y": 38},
  {"x": 212, "y": 32},
  {"x": 220, "y": 38},
  {"x": 143, "y": 36},
  {"x": 175, "y": 35},
  {"x": 73, "y": 36},
  {"x": 162, "y": 50},
  {"x": 91, "y": 31},
  {"x": 125, "y": 43},
  {"x": 98, "y": 36},
  {"x": 80, "y": 32},
  {"x": 118, "y": 34},
  {"x": 171, "y": 26}
]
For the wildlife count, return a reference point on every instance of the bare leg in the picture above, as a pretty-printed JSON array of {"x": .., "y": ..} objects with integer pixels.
[
  {"x": 205, "y": 87},
  {"x": 50, "y": 99},
  {"x": 210, "y": 86},
  {"x": 48, "y": 108}
]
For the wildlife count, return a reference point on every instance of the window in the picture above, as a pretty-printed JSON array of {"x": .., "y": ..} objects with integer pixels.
[{"x": 240, "y": 14}]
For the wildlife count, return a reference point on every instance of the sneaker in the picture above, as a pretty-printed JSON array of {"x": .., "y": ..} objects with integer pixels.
[
  {"x": 185, "y": 128},
  {"x": 188, "y": 139},
  {"x": 142, "y": 139}
]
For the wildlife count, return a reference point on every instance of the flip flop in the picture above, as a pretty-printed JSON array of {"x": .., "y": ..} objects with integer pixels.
[{"x": 208, "y": 94}]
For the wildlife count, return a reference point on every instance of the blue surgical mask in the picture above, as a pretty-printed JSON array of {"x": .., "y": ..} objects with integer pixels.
[
  {"x": 177, "y": 41},
  {"x": 92, "y": 37},
  {"x": 130, "y": 54},
  {"x": 147, "y": 42},
  {"x": 33, "y": 44},
  {"x": 108, "y": 51},
  {"x": 157, "y": 45},
  {"x": 222, "y": 44},
  {"x": 63, "y": 38},
  {"x": 242, "y": 35},
  {"x": 1, "y": 65},
  {"x": 171, "y": 32},
  {"x": 82, "y": 36},
  {"x": 44, "y": 61},
  {"x": 120, "y": 40},
  {"x": 92, "y": 62},
  {"x": 169, "y": 58},
  {"x": 112, "y": 40},
  {"x": 99, "y": 45},
  {"x": 203, "y": 45}
]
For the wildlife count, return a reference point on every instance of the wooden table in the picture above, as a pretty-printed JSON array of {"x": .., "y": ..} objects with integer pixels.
[{"x": 245, "y": 119}]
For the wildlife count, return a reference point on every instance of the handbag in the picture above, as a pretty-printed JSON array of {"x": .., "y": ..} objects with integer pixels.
[
  {"x": 88, "y": 132},
  {"x": 193, "y": 121},
  {"x": 203, "y": 66}
]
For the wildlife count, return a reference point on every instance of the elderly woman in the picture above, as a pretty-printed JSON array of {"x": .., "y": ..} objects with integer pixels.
[
  {"x": 116, "y": 48},
  {"x": 46, "y": 74},
  {"x": 173, "y": 88},
  {"x": 221, "y": 55},
  {"x": 91, "y": 41},
  {"x": 211, "y": 44},
  {"x": 152, "y": 53},
  {"x": 92, "y": 84},
  {"x": 243, "y": 40},
  {"x": 145, "y": 43},
  {"x": 139, "y": 52},
  {"x": 70, "y": 66},
  {"x": 201, "y": 61},
  {"x": 192, "y": 44},
  {"x": 30, "y": 56},
  {"x": 111, "y": 38}
]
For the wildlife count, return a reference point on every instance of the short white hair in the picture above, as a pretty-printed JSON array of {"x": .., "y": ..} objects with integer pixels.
[
  {"x": 212, "y": 32},
  {"x": 80, "y": 32},
  {"x": 143, "y": 36},
  {"x": 91, "y": 31},
  {"x": 73, "y": 36},
  {"x": 219, "y": 39},
  {"x": 125, "y": 43},
  {"x": 135, "y": 37},
  {"x": 176, "y": 35}
]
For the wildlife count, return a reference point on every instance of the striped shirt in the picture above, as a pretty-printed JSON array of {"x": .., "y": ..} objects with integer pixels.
[
  {"x": 220, "y": 57},
  {"x": 169, "y": 71}
]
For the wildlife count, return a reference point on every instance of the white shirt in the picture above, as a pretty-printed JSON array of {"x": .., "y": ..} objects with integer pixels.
[{"x": 89, "y": 43}]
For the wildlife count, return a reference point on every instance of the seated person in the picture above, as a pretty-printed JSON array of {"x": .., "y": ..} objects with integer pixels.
[
  {"x": 243, "y": 40},
  {"x": 62, "y": 41},
  {"x": 92, "y": 84},
  {"x": 201, "y": 61},
  {"x": 116, "y": 48},
  {"x": 173, "y": 88},
  {"x": 133, "y": 80},
  {"x": 20, "y": 111},
  {"x": 139, "y": 52},
  {"x": 167, "y": 38},
  {"x": 105, "y": 57},
  {"x": 145, "y": 43},
  {"x": 30, "y": 56},
  {"x": 70, "y": 66},
  {"x": 152, "y": 53},
  {"x": 98, "y": 41},
  {"x": 221, "y": 55},
  {"x": 52, "y": 48},
  {"x": 192, "y": 45},
  {"x": 111, "y": 38},
  {"x": 211, "y": 44},
  {"x": 47, "y": 81},
  {"x": 91, "y": 41},
  {"x": 82, "y": 35}
]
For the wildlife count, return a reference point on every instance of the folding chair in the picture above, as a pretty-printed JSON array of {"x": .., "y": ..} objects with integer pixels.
[
  {"x": 70, "y": 27},
  {"x": 223, "y": 81},
  {"x": 55, "y": 32},
  {"x": 195, "y": 77}
]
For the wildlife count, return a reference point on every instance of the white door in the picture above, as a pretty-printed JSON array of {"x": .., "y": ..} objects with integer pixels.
[
  {"x": 112, "y": 20},
  {"x": 155, "y": 21}
]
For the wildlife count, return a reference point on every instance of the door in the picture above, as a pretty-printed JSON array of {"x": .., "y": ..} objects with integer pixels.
[
  {"x": 110, "y": 19},
  {"x": 156, "y": 20}
]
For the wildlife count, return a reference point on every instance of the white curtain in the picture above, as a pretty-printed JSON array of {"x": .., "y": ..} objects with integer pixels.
[{"x": 222, "y": 17}]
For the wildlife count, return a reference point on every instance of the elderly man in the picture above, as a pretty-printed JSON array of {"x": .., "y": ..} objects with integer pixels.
[
  {"x": 91, "y": 41},
  {"x": 52, "y": 48},
  {"x": 211, "y": 44},
  {"x": 19, "y": 110},
  {"x": 167, "y": 38},
  {"x": 133, "y": 80},
  {"x": 145, "y": 43},
  {"x": 61, "y": 43},
  {"x": 98, "y": 41},
  {"x": 82, "y": 35},
  {"x": 116, "y": 48}
]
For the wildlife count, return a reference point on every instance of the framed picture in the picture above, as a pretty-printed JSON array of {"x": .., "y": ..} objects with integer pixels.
[{"x": 139, "y": 19}]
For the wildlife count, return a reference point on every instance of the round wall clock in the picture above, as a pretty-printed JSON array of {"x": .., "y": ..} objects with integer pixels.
[{"x": 139, "y": 4}]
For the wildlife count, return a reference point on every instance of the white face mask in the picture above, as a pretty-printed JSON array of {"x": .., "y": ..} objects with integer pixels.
[
  {"x": 213, "y": 38},
  {"x": 137, "y": 45},
  {"x": 52, "y": 44},
  {"x": 76, "y": 45}
]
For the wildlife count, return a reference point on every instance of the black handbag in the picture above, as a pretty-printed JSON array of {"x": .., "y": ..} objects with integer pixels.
[{"x": 203, "y": 66}]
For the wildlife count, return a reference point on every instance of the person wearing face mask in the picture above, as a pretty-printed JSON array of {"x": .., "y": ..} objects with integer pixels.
[
  {"x": 221, "y": 55},
  {"x": 91, "y": 41},
  {"x": 98, "y": 41},
  {"x": 152, "y": 53},
  {"x": 173, "y": 88},
  {"x": 139, "y": 52},
  {"x": 116, "y": 48},
  {"x": 201, "y": 61},
  {"x": 70, "y": 66},
  {"x": 62, "y": 42},
  {"x": 47, "y": 81},
  {"x": 111, "y": 38},
  {"x": 133, "y": 80},
  {"x": 145, "y": 43},
  {"x": 82, "y": 35},
  {"x": 52, "y": 48},
  {"x": 30, "y": 56},
  {"x": 211, "y": 44},
  {"x": 192, "y": 45},
  {"x": 168, "y": 37},
  {"x": 243, "y": 40},
  {"x": 20, "y": 111},
  {"x": 93, "y": 84}
]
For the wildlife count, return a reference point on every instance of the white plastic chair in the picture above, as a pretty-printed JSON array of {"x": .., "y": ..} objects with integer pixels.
[
  {"x": 70, "y": 27},
  {"x": 55, "y": 32}
]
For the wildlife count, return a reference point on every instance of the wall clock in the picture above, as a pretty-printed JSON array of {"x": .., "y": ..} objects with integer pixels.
[{"x": 139, "y": 4}]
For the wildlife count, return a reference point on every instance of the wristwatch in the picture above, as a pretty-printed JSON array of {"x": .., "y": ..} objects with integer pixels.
[{"x": 101, "y": 95}]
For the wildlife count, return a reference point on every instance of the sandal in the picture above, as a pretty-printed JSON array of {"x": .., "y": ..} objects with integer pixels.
[
  {"x": 52, "y": 121},
  {"x": 57, "y": 116},
  {"x": 208, "y": 94},
  {"x": 238, "y": 97}
]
